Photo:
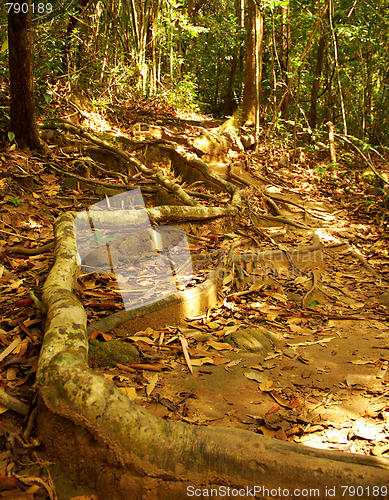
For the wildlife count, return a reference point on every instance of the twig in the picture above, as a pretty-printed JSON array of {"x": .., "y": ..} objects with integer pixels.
[
  {"x": 38, "y": 480},
  {"x": 10, "y": 348},
  {"x": 30, "y": 251},
  {"x": 89, "y": 181},
  {"x": 184, "y": 345},
  {"x": 31, "y": 423},
  {"x": 16, "y": 234},
  {"x": 13, "y": 403}
]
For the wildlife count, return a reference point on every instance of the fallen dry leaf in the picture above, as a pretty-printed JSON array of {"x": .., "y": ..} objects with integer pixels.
[
  {"x": 220, "y": 346},
  {"x": 129, "y": 391},
  {"x": 151, "y": 385}
]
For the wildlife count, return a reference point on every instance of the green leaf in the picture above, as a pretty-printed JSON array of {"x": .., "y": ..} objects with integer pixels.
[
  {"x": 11, "y": 136},
  {"x": 47, "y": 97},
  {"x": 4, "y": 45},
  {"x": 15, "y": 201}
]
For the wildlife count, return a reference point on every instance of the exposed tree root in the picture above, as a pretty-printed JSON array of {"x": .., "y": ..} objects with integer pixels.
[
  {"x": 158, "y": 176},
  {"x": 130, "y": 453},
  {"x": 185, "y": 158}
]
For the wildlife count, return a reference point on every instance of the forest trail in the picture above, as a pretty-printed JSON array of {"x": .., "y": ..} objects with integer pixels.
[{"x": 296, "y": 347}]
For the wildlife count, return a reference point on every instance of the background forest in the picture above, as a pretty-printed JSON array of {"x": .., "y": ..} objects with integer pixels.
[{"x": 316, "y": 62}]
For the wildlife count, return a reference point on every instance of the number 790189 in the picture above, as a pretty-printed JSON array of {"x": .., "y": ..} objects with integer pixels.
[{"x": 36, "y": 8}]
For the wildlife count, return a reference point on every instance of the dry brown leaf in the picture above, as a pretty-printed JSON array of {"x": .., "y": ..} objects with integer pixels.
[
  {"x": 322, "y": 341},
  {"x": 220, "y": 360},
  {"x": 382, "y": 370},
  {"x": 266, "y": 431},
  {"x": 202, "y": 361},
  {"x": 266, "y": 385},
  {"x": 129, "y": 391},
  {"x": 151, "y": 385},
  {"x": 279, "y": 399},
  {"x": 231, "y": 329},
  {"x": 252, "y": 375},
  {"x": 233, "y": 363},
  {"x": 146, "y": 340},
  {"x": 220, "y": 346}
]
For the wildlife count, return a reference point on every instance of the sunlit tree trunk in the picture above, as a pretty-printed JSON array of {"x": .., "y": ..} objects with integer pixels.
[
  {"x": 228, "y": 101},
  {"x": 258, "y": 32},
  {"x": 246, "y": 112},
  {"x": 247, "y": 109}
]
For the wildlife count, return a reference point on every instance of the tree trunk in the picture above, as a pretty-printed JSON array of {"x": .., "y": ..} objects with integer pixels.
[
  {"x": 258, "y": 32},
  {"x": 316, "y": 83},
  {"x": 23, "y": 121},
  {"x": 246, "y": 112},
  {"x": 284, "y": 58}
]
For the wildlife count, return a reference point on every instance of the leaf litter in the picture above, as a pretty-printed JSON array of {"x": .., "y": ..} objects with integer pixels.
[{"x": 324, "y": 384}]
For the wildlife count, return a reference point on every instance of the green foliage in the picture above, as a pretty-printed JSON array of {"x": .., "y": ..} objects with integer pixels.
[
  {"x": 184, "y": 95},
  {"x": 15, "y": 201},
  {"x": 127, "y": 50}
]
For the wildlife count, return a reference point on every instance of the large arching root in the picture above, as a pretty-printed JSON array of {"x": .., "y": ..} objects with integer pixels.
[{"x": 117, "y": 447}]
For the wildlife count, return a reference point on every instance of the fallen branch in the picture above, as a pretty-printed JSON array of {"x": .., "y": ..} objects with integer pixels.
[
  {"x": 30, "y": 251},
  {"x": 13, "y": 403}
]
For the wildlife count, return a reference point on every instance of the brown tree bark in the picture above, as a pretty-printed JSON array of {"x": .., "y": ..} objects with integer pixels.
[
  {"x": 22, "y": 112},
  {"x": 246, "y": 112},
  {"x": 248, "y": 103},
  {"x": 316, "y": 83},
  {"x": 229, "y": 102},
  {"x": 284, "y": 58}
]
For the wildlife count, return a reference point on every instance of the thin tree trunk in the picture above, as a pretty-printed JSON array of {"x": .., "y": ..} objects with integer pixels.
[
  {"x": 330, "y": 10},
  {"x": 284, "y": 59},
  {"x": 316, "y": 83},
  {"x": 258, "y": 32},
  {"x": 302, "y": 59},
  {"x": 68, "y": 37},
  {"x": 228, "y": 103}
]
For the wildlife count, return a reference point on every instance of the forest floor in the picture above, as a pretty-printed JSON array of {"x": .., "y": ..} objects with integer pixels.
[{"x": 322, "y": 383}]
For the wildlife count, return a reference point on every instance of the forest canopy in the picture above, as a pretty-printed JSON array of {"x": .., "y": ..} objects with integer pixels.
[{"x": 318, "y": 61}]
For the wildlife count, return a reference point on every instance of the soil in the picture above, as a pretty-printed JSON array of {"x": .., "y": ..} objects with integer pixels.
[{"x": 324, "y": 383}]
